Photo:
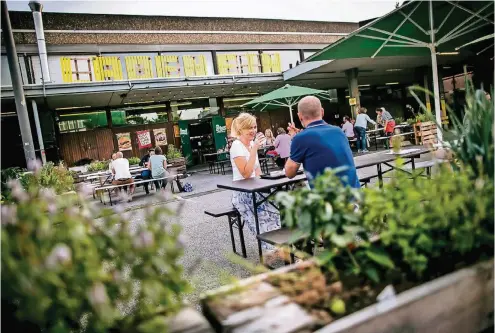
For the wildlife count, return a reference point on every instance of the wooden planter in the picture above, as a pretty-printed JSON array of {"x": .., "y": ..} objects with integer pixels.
[
  {"x": 178, "y": 164},
  {"x": 458, "y": 302}
]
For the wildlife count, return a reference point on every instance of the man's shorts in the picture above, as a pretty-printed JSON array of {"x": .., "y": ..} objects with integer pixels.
[{"x": 123, "y": 181}]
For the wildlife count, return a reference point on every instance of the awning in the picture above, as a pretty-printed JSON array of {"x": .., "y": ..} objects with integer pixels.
[{"x": 416, "y": 30}]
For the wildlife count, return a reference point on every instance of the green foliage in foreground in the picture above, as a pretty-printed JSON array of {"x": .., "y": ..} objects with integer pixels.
[{"x": 60, "y": 265}]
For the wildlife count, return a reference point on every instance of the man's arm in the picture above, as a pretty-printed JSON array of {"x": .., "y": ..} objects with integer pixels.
[
  {"x": 291, "y": 168},
  {"x": 296, "y": 157}
]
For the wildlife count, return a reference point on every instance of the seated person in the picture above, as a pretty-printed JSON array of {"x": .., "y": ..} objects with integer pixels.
[
  {"x": 348, "y": 128},
  {"x": 319, "y": 146},
  {"x": 282, "y": 147},
  {"x": 245, "y": 165},
  {"x": 158, "y": 167},
  {"x": 120, "y": 168}
]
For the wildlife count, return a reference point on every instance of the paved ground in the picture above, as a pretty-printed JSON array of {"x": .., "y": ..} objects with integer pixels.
[{"x": 208, "y": 246}]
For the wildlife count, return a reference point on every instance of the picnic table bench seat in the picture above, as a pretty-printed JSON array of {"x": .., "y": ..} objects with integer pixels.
[
  {"x": 235, "y": 220},
  {"x": 138, "y": 182}
]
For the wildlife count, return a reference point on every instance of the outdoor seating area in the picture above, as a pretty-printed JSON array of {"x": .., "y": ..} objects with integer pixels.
[{"x": 197, "y": 167}]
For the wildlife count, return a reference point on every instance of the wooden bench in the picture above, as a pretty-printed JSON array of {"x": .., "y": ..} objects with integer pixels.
[
  {"x": 427, "y": 165},
  {"x": 285, "y": 237},
  {"x": 390, "y": 137},
  {"x": 109, "y": 188},
  {"x": 234, "y": 219},
  {"x": 364, "y": 181}
]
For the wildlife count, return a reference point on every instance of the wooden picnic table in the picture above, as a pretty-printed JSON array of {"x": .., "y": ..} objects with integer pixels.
[{"x": 266, "y": 188}]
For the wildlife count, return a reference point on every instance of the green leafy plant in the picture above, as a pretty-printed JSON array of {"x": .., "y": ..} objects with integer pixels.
[
  {"x": 134, "y": 160},
  {"x": 399, "y": 120},
  {"x": 173, "y": 153},
  {"x": 327, "y": 213},
  {"x": 64, "y": 271},
  {"x": 425, "y": 221},
  {"x": 9, "y": 174},
  {"x": 98, "y": 166},
  {"x": 470, "y": 139},
  {"x": 57, "y": 177}
]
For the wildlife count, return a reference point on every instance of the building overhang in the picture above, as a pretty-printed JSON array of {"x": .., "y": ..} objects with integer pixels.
[{"x": 372, "y": 71}]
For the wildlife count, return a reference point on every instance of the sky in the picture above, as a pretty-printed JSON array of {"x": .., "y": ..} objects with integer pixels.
[{"x": 306, "y": 10}]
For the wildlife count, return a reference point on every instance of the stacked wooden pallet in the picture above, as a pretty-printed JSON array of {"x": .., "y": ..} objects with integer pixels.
[{"x": 428, "y": 132}]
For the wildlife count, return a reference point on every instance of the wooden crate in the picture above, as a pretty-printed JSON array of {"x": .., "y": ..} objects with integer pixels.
[{"x": 428, "y": 130}]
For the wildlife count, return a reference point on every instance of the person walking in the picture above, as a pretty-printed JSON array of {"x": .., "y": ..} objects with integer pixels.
[
  {"x": 245, "y": 165},
  {"x": 362, "y": 121},
  {"x": 319, "y": 146},
  {"x": 388, "y": 124},
  {"x": 158, "y": 167},
  {"x": 282, "y": 147}
]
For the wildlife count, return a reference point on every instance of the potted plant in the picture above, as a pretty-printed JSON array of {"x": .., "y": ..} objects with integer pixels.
[
  {"x": 416, "y": 255},
  {"x": 134, "y": 160},
  {"x": 175, "y": 157},
  {"x": 63, "y": 271}
]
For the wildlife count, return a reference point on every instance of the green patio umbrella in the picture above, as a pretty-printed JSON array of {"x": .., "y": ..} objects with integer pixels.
[
  {"x": 419, "y": 28},
  {"x": 287, "y": 96}
]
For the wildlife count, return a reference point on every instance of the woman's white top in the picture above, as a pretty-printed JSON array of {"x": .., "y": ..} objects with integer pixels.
[{"x": 238, "y": 149}]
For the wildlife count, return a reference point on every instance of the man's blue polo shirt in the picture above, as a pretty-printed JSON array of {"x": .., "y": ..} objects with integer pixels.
[{"x": 320, "y": 146}]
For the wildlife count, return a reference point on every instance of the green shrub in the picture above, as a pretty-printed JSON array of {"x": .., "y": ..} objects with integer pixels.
[
  {"x": 98, "y": 166},
  {"x": 426, "y": 227},
  {"x": 60, "y": 265},
  {"x": 134, "y": 160},
  {"x": 173, "y": 153},
  {"x": 9, "y": 174}
]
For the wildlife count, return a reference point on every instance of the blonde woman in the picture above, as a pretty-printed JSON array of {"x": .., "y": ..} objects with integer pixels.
[
  {"x": 245, "y": 164},
  {"x": 270, "y": 140}
]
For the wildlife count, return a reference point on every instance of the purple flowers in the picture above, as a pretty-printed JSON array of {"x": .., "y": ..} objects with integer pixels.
[
  {"x": 61, "y": 254},
  {"x": 143, "y": 239}
]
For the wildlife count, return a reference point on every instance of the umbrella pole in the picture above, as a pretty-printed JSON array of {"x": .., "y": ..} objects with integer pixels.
[
  {"x": 434, "y": 68},
  {"x": 290, "y": 114}
]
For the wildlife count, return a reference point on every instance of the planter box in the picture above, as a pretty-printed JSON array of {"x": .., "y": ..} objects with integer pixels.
[
  {"x": 458, "y": 302},
  {"x": 188, "y": 320}
]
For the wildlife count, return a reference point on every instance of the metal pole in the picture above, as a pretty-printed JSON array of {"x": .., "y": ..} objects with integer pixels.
[
  {"x": 38, "y": 131},
  {"x": 15, "y": 74},
  {"x": 290, "y": 114},
  {"x": 36, "y": 8},
  {"x": 436, "y": 92}
]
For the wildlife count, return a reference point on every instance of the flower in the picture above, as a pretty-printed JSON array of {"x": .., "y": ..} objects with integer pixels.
[
  {"x": 34, "y": 165},
  {"x": 19, "y": 193},
  {"x": 60, "y": 254},
  {"x": 9, "y": 214},
  {"x": 181, "y": 241},
  {"x": 97, "y": 295},
  {"x": 86, "y": 190},
  {"x": 47, "y": 194},
  {"x": 143, "y": 240},
  {"x": 52, "y": 208}
]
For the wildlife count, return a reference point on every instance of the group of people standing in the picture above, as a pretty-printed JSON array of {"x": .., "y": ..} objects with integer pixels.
[{"x": 356, "y": 128}]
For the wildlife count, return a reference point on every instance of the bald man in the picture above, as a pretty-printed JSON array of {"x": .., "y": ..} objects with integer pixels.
[{"x": 319, "y": 145}]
